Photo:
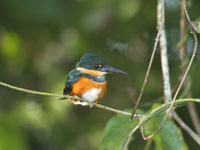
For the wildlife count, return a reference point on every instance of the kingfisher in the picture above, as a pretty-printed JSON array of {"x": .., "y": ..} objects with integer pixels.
[{"x": 88, "y": 80}]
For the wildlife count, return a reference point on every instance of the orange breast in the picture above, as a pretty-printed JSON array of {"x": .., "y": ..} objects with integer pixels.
[{"x": 84, "y": 85}]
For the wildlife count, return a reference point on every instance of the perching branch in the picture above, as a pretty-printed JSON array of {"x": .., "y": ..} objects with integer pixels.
[
  {"x": 142, "y": 118},
  {"x": 68, "y": 97}
]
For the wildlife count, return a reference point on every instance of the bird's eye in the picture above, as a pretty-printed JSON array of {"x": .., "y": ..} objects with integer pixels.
[{"x": 99, "y": 66}]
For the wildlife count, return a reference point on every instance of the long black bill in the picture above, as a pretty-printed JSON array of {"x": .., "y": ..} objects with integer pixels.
[{"x": 112, "y": 70}]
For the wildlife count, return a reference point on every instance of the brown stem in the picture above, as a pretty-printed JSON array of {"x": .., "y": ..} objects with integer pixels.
[
  {"x": 182, "y": 124},
  {"x": 186, "y": 128},
  {"x": 194, "y": 117},
  {"x": 182, "y": 80},
  {"x": 67, "y": 97},
  {"x": 182, "y": 30},
  {"x": 147, "y": 73},
  {"x": 191, "y": 108}
]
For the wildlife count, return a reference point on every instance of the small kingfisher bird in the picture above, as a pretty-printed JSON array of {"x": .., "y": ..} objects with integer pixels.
[{"x": 88, "y": 80}]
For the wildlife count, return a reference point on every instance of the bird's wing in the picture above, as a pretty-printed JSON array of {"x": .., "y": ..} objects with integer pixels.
[{"x": 72, "y": 78}]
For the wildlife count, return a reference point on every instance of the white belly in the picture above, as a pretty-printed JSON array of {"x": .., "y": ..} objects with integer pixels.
[{"x": 91, "y": 95}]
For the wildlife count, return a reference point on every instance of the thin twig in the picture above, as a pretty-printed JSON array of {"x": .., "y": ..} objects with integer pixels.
[
  {"x": 68, "y": 97},
  {"x": 30, "y": 91},
  {"x": 182, "y": 31},
  {"x": 186, "y": 128},
  {"x": 187, "y": 84},
  {"x": 148, "y": 145},
  {"x": 194, "y": 117},
  {"x": 182, "y": 124},
  {"x": 164, "y": 58},
  {"x": 143, "y": 132},
  {"x": 154, "y": 112},
  {"x": 180, "y": 85},
  {"x": 142, "y": 118},
  {"x": 129, "y": 137},
  {"x": 147, "y": 73}
]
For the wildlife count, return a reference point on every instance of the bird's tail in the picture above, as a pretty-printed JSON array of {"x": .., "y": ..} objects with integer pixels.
[{"x": 65, "y": 92}]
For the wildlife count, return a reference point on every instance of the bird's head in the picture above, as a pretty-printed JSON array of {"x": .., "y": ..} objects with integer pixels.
[{"x": 95, "y": 65}]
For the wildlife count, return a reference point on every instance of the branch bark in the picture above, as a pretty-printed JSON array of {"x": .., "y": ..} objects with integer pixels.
[
  {"x": 163, "y": 51},
  {"x": 142, "y": 118},
  {"x": 68, "y": 97}
]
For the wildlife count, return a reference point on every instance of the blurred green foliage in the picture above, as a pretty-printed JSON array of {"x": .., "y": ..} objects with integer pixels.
[{"x": 41, "y": 41}]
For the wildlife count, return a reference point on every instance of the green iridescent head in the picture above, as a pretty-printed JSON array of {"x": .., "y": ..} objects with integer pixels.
[{"x": 93, "y": 62}]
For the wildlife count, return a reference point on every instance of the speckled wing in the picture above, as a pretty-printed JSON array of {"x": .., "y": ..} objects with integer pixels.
[{"x": 72, "y": 78}]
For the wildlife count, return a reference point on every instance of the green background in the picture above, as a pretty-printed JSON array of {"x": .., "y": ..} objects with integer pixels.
[{"x": 41, "y": 41}]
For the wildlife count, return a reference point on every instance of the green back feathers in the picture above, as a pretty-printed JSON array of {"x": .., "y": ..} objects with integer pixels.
[{"x": 72, "y": 77}]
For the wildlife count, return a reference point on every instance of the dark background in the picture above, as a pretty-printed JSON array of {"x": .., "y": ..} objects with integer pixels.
[{"x": 41, "y": 41}]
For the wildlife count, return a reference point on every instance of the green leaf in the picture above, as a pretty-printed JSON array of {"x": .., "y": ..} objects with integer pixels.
[
  {"x": 169, "y": 137},
  {"x": 116, "y": 132}
]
